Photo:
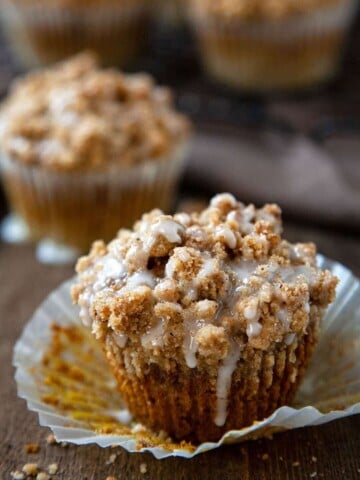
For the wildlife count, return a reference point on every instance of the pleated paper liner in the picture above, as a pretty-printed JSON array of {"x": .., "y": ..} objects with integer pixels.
[{"x": 62, "y": 374}]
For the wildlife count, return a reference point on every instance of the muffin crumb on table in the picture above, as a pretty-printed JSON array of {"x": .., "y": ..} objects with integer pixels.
[
  {"x": 53, "y": 468},
  {"x": 213, "y": 302},
  {"x": 51, "y": 440},
  {"x": 32, "y": 448},
  {"x": 30, "y": 468},
  {"x": 17, "y": 475}
]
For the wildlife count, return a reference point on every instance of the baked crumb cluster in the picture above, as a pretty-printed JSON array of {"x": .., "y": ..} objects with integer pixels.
[
  {"x": 197, "y": 290},
  {"x": 260, "y": 9},
  {"x": 77, "y": 116}
]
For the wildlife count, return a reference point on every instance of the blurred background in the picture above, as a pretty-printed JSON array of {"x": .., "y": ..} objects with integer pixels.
[{"x": 271, "y": 134}]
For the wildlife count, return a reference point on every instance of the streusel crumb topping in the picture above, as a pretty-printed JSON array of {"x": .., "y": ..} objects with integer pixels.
[
  {"x": 199, "y": 289},
  {"x": 77, "y": 116},
  {"x": 260, "y": 9},
  {"x": 190, "y": 285}
]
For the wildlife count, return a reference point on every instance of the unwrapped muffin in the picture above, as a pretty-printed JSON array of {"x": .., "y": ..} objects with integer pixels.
[
  {"x": 85, "y": 150},
  {"x": 261, "y": 45},
  {"x": 208, "y": 320},
  {"x": 46, "y": 31}
]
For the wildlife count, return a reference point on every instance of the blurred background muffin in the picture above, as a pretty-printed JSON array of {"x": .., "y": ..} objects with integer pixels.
[
  {"x": 261, "y": 45},
  {"x": 85, "y": 151},
  {"x": 45, "y": 31}
]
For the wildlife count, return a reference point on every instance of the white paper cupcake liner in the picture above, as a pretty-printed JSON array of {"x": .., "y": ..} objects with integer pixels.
[
  {"x": 76, "y": 208},
  {"x": 294, "y": 52},
  {"x": 331, "y": 388}
]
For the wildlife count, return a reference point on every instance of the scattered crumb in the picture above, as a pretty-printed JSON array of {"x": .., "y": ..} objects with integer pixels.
[
  {"x": 296, "y": 464},
  {"x": 312, "y": 475},
  {"x": 52, "y": 468},
  {"x": 42, "y": 476},
  {"x": 358, "y": 470},
  {"x": 265, "y": 456},
  {"x": 31, "y": 448},
  {"x": 64, "y": 444},
  {"x": 51, "y": 440},
  {"x": 17, "y": 475},
  {"x": 111, "y": 459},
  {"x": 143, "y": 468},
  {"x": 313, "y": 459},
  {"x": 281, "y": 459},
  {"x": 30, "y": 469}
]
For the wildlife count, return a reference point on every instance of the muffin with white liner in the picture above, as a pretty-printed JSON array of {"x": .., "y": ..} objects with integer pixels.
[
  {"x": 86, "y": 150},
  {"x": 261, "y": 45},
  {"x": 46, "y": 31},
  {"x": 208, "y": 320}
]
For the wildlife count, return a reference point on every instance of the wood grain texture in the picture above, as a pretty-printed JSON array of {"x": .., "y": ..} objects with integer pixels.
[{"x": 330, "y": 452}]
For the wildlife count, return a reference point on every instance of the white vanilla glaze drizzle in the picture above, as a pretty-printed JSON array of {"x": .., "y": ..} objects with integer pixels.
[
  {"x": 253, "y": 329},
  {"x": 167, "y": 228},
  {"x": 223, "y": 384},
  {"x": 138, "y": 279},
  {"x": 244, "y": 269},
  {"x": 108, "y": 268},
  {"x": 208, "y": 268},
  {"x": 154, "y": 336},
  {"x": 190, "y": 347},
  {"x": 224, "y": 232},
  {"x": 120, "y": 339}
]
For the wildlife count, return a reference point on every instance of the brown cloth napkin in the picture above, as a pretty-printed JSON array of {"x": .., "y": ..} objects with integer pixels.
[{"x": 318, "y": 183}]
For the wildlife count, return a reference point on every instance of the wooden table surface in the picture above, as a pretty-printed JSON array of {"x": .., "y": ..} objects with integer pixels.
[{"x": 330, "y": 452}]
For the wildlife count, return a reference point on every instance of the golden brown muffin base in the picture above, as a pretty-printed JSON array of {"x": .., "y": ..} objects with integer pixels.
[
  {"x": 51, "y": 39},
  {"x": 261, "y": 64},
  {"x": 183, "y": 402},
  {"x": 76, "y": 208},
  {"x": 114, "y": 47}
]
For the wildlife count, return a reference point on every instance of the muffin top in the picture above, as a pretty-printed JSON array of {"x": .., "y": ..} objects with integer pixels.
[
  {"x": 198, "y": 290},
  {"x": 260, "y": 9},
  {"x": 75, "y": 116}
]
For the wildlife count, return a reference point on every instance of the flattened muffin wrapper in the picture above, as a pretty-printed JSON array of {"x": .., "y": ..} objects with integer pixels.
[{"x": 62, "y": 374}]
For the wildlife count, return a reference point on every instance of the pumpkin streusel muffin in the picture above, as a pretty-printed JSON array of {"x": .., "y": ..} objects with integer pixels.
[
  {"x": 46, "y": 31},
  {"x": 261, "y": 45},
  {"x": 85, "y": 150},
  {"x": 208, "y": 320}
]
